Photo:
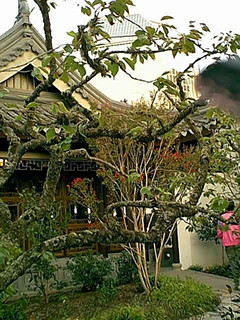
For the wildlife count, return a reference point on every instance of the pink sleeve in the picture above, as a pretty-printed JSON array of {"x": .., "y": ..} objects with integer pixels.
[{"x": 219, "y": 233}]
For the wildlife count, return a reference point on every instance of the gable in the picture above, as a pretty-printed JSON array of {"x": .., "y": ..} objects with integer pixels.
[
  {"x": 23, "y": 80},
  {"x": 23, "y": 46}
]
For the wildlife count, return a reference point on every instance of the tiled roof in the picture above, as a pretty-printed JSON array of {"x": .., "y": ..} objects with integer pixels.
[{"x": 127, "y": 28}]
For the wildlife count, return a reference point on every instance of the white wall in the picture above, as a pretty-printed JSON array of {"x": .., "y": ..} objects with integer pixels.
[{"x": 194, "y": 251}]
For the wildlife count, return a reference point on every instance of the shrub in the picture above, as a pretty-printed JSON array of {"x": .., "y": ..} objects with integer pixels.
[
  {"x": 43, "y": 275},
  {"x": 182, "y": 299},
  {"x": 220, "y": 270},
  {"x": 12, "y": 310},
  {"x": 89, "y": 271},
  {"x": 107, "y": 290},
  {"x": 196, "y": 267},
  {"x": 126, "y": 269}
]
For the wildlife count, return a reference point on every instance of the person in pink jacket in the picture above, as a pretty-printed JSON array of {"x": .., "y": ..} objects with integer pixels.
[{"x": 231, "y": 241}]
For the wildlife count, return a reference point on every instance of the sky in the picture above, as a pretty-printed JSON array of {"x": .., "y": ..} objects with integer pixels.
[{"x": 218, "y": 16}]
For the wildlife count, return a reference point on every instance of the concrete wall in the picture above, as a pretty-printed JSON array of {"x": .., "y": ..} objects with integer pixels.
[{"x": 194, "y": 251}]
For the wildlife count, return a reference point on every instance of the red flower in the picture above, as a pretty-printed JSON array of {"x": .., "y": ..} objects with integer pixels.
[
  {"x": 68, "y": 186},
  {"x": 141, "y": 177},
  {"x": 123, "y": 179},
  {"x": 116, "y": 175},
  {"x": 76, "y": 180},
  {"x": 176, "y": 155},
  {"x": 165, "y": 154}
]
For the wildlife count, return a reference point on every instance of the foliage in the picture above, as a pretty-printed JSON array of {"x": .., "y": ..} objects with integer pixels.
[
  {"x": 182, "y": 299},
  {"x": 150, "y": 179},
  {"x": 126, "y": 269},
  {"x": 82, "y": 191},
  {"x": 8, "y": 253},
  {"x": 89, "y": 271},
  {"x": 125, "y": 313},
  {"x": 205, "y": 227},
  {"x": 223, "y": 270},
  {"x": 196, "y": 267},
  {"x": 172, "y": 299},
  {"x": 49, "y": 226},
  {"x": 220, "y": 270},
  {"x": 43, "y": 274},
  {"x": 12, "y": 310},
  {"x": 107, "y": 290}
]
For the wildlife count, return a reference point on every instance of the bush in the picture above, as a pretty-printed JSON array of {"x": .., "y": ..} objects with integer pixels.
[
  {"x": 89, "y": 271},
  {"x": 107, "y": 290},
  {"x": 220, "y": 270},
  {"x": 182, "y": 299},
  {"x": 12, "y": 310},
  {"x": 126, "y": 269},
  {"x": 196, "y": 267},
  {"x": 43, "y": 275}
]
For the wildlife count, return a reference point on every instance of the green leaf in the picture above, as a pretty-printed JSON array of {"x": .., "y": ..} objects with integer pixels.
[
  {"x": 146, "y": 191},
  {"x": 158, "y": 84},
  {"x": 19, "y": 117},
  {"x": 81, "y": 70},
  {"x": 54, "y": 108},
  {"x": 209, "y": 113},
  {"x": 46, "y": 61},
  {"x": 72, "y": 34},
  {"x": 53, "y": 4},
  {"x": 110, "y": 19},
  {"x": 31, "y": 105},
  {"x": 133, "y": 177},
  {"x": 65, "y": 146},
  {"x": 86, "y": 10},
  {"x": 130, "y": 62},
  {"x": 219, "y": 205},
  {"x": 135, "y": 132},
  {"x": 64, "y": 77},
  {"x": 238, "y": 180},
  {"x": 50, "y": 134},
  {"x": 150, "y": 30},
  {"x": 205, "y": 28},
  {"x": 62, "y": 107},
  {"x": 69, "y": 129},
  {"x": 166, "y": 18},
  {"x": 37, "y": 74},
  {"x": 96, "y": 2},
  {"x": 68, "y": 48},
  {"x": 113, "y": 68}
]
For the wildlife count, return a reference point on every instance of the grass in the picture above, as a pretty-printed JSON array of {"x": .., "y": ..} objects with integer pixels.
[
  {"x": 173, "y": 299},
  {"x": 78, "y": 305}
]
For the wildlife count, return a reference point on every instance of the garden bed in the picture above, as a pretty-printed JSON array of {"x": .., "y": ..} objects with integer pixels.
[{"x": 173, "y": 299}]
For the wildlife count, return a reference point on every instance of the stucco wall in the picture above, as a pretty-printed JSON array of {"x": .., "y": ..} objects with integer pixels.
[{"x": 194, "y": 251}]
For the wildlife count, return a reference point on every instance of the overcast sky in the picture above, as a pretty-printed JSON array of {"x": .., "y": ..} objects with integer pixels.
[
  {"x": 218, "y": 16},
  {"x": 68, "y": 15}
]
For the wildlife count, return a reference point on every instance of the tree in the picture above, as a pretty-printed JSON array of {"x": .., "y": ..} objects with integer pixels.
[{"x": 74, "y": 124}]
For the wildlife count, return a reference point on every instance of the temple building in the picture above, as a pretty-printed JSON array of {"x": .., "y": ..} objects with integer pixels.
[{"x": 21, "y": 49}]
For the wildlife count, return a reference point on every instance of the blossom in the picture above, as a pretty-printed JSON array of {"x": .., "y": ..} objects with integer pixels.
[
  {"x": 76, "y": 180},
  {"x": 116, "y": 175}
]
